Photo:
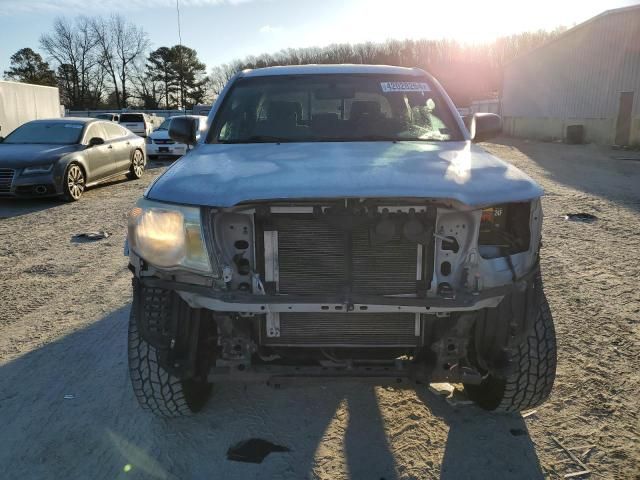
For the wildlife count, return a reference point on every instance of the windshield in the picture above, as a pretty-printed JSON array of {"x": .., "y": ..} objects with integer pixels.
[
  {"x": 316, "y": 108},
  {"x": 58, "y": 133},
  {"x": 131, "y": 117},
  {"x": 164, "y": 125}
]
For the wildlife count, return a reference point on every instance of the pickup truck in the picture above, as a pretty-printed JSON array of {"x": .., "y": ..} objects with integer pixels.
[{"x": 338, "y": 221}]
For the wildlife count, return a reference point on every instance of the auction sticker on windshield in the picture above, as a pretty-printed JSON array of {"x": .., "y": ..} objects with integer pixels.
[{"x": 404, "y": 87}]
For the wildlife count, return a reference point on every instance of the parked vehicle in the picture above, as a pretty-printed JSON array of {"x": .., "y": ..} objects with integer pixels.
[
  {"x": 338, "y": 221},
  {"x": 139, "y": 123},
  {"x": 23, "y": 102},
  {"x": 160, "y": 144},
  {"x": 201, "y": 109},
  {"x": 112, "y": 117},
  {"x": 62, "y": 157}
]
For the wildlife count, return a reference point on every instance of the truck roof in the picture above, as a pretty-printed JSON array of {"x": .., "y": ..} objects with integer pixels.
[{"x": 331, "y": 69}]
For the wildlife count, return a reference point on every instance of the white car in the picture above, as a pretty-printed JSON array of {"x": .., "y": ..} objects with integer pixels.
[
  {"x": 139, "y": 123},
  {"x": 159, "y": 143}
]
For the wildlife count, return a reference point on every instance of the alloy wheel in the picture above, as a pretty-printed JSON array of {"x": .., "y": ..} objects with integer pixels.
[
  {"x": 138, "y": 164},
  {"x": 75, "y": 182}
]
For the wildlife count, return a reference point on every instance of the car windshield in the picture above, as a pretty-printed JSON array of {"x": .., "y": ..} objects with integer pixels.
[
  {"x": 58, "y": 133},
  {"x": 317, "y": 108},
  {"x": 164, "y": 125},
  {"x": 131, "y": 117}
]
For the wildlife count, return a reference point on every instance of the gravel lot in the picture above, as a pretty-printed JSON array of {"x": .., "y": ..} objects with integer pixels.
[{"x": 67, "y": 409}]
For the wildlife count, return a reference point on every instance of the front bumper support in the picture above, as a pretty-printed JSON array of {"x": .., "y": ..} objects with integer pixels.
[{"x": 199, "y": 296}]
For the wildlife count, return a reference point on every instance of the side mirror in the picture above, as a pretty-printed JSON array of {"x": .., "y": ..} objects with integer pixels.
[
  {"x": 483, "y": 126},
  {"x": 183, "y": 130},
  {"x": 96, "y": 141}
]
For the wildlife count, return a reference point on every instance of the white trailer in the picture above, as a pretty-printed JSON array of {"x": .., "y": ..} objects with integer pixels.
[{"x": 22, "y": 102}]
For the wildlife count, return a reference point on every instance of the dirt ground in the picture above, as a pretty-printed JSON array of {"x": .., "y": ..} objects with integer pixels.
[{"x": 67, "y": 409}]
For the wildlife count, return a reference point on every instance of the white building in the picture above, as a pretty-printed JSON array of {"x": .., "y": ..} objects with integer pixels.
[{"x": 589, "y": 76}]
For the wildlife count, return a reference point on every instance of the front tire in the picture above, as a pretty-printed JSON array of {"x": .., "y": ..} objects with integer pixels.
[
  {"x": 156, "y": 389},
  {"x": 74, "y": 183},
  {"x": 137, "y": 165},
  {"x": 534, "y": 363}
]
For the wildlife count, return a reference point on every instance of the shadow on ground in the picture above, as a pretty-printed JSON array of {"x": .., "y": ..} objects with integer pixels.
[
  {"x": 589, "y": 168},
  {"x": 68, "y": 411},
  {"x": 15, "y": 207}
]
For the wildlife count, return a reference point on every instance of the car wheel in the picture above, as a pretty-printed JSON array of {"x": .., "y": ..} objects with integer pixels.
[
  {"x": 157, "y": 390},
  {"x": 73, "y": 183},
  {"x": 137, "y": 165},
  {"x": 534, "y": 362}
]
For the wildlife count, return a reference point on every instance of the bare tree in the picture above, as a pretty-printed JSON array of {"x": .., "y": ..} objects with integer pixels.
[
  {"x": 72, "y": 45},
  {"x": 120, "y": 44}
]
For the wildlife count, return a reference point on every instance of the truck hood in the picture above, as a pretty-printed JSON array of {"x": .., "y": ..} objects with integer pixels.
[
  {"x": 24, "y": 155},
  {"x": 224, "y": 175}
]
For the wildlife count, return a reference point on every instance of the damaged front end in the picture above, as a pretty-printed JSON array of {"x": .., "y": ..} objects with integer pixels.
[{"x": 419, "y": 289}]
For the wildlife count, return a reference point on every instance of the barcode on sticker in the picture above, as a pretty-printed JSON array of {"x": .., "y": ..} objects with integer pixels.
[{"x": 404, "y": 87}]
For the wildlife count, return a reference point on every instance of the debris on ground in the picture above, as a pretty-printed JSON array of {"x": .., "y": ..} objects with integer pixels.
[
  {"x": 253, "y": 450},
  {"x": 442, "y": 389},
  {"x": 580, "y": 217},
  {"x": 529, "y": 413},
  {"x": 450, "y": 393},
  {"x": 569, "y": 451},
  {"x": 90, "y": 236}
]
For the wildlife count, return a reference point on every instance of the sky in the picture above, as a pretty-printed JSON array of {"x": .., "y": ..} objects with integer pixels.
[{"x": 223, "y": 30}]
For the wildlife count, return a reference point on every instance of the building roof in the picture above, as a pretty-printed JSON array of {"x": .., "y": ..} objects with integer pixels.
[
  {"x": 331, "y": 69},
  {"x": 600, "y": 16}
]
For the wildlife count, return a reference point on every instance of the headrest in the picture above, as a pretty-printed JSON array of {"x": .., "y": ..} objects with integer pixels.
[
  {"x": 367, "y": 108},
  {"x": 280, "y": 110}
]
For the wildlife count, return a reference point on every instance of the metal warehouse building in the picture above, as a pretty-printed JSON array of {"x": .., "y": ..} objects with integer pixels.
[{"x": 589, "y": 76}]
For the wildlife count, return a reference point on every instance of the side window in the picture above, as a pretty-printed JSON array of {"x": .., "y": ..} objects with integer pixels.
[
  {"x": 94, "y": 130},
  {"x": 113, "y": 131}
]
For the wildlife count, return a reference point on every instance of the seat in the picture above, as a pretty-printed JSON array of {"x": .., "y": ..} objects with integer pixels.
[{"x": 362, "y": 110}]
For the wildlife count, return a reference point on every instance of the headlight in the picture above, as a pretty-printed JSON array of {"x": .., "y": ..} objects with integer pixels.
[
  {"x": 37, "y": 169},
  {"x": 169, "y": 236}
]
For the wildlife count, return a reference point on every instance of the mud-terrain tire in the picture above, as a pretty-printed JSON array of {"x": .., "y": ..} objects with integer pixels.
[
  {"x": 534, "y": 368},
  {"x": 156, "y": 390}
]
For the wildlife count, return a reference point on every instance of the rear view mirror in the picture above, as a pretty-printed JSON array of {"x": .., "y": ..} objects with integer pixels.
[
  {"x": 96, "y": 141},
  {"x": 483, "y": 126},
  {"x": 183, "y": 130}
]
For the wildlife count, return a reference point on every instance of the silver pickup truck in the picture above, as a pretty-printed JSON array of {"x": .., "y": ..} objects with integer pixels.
[{"x": 338, "y": 221}]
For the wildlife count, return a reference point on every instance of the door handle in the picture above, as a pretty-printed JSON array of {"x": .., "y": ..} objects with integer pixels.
[{"x": 110, "y": 146}]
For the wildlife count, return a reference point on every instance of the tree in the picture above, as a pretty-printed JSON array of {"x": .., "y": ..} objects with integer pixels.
[
  {"x": 451, "y": 62},
  {"x": 190, "y": 75},
  {"x": 161, "y": 68},
  {"x": 28, "y": 66},
  {"x": 181, "y": 74},
  {"x": 120, "y": 45},
  {"x": 72, "y": 45}
]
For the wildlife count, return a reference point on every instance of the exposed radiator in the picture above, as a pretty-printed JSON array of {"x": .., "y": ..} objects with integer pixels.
[
  {"x": 312, "y": 259},
  {"x": 345, "y": 329}
]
